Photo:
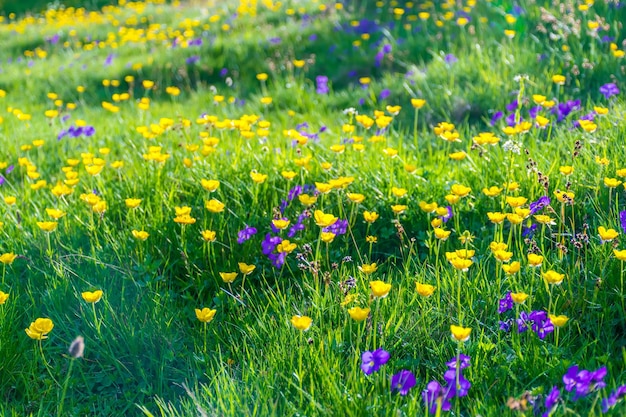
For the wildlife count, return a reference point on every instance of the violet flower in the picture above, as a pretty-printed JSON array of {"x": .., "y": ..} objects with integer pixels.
[
  {"x": 433, "y": 393},
  {"x": 402, "y": 382},
  {"x": 371, "y": 361},
  {"x": 245, "y": 234},
  {"x": 608, "y": 90}
]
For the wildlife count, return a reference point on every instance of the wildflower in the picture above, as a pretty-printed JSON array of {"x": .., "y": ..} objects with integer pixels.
[
  {"x": 553, "y": 277},
  {"x": 47, "y": 226},
  {"x": 519, "y": 297},
  {"x": 620, "y": 254},
  {"x": 302, "y": 323},
  {"x": 140, "y": 235},
  {"x": 558, "y": 321},
  {"x": 418, "y": 103},
  {"x": 544, "y": 219},
  {"x": 327, "y": 237},
  {"x": 246, "y": 234},
  {"x": 496, "y": 217},
  {"x": 214, "y": 206},
  {"x": 208, "y": 235},
  {"x": 398, "y": 208},
  {"x": 607, "y": 235},
  {"x": 613, "y": 398},
  {"x": 493, "y": 191},
  {"x": 307, "y": 200},
  {"x": 441, "y": 234},
  {"x": 371, "y": 361},
  {"x": 246, "y": 269},
  {"x": 503, "y": 255},
  {"x": 368, "y": 268},
  {"x": 39, "y": 329},
  {"x": 356, "y": 198},
  {"x": 428, "y": 207},
  {"x": 535, "y": 260},
  {"x": 210, "y": 185},
  {"x": 228, "y": 277},
  {"x": 258, "y": 177},
  {"x": 584, "y": 382},
  {"x": 511, "y": 268},
  {"x": 461, "y": 264},
  {"x": 205, "y": 315},
  {"x": 402, "y": 382},
  {"x": 380, "y": 289},
  {"x": 425, "y": 290},
  {"x": 460, "y": 190},
  {"x": 435, "y": 396},
  {"x": 505, "y": 304},
  {"x": 558, "y": 79},
  {"x": 56, "y": 214},
  {"x": 608, "y": 90},
  {"x": 611, "y": 182},
  {"x": 358, "y": 313},
  {"x": 92, "y": 297},
  {"x": 459, "y": 333},
  {"x": 7, "y": 258},
  {"x": 324, "y": 220},
  {"x": 280, "y": 224},
  {"x": 370, "y": 216},
  {"x": 286, "y": 247},
  {"x": 3, "y": 297}
]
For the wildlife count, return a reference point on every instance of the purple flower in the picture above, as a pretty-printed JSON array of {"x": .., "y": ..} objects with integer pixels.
[
  {"x": 277, "y": 259},
  {"x": 622, "y": 219},
  {"x": 496, "y": 116},
  {"x": 321, "y": 84},
  {"x": 506, "y": 303},
  {"x": 402, "y": 382},
  {"x": 505, "y": 326},
  {"x": 340, "y": 227},
  {"x": 109, "y": 60},
  {"x": 456, "y": 388},
  {"x": 510, "y": 119},
  {"x": 245, "y": 234},
  {"x": 542, "y": 202},
  {"x": 448, "y": 216},
  {"x": 192, "y": 59},
  {"x": 9, "y": 169},
  {"x": 534, "y": 111},
  {"x": 434, "y": 392},
  {"x": 450, "y": 59},
  {"x": 608, "y": 90},
  {"x": 512, "y": 106},
  {"x": 583, "y": 382},
  {"x": 551, "y": 401},
  {"x": 2, "y": 180},
  {"x": 613, "y": 398},
  {"x": 463, "y": 360},
  {"x": 372, "y": 361},
  {"x": 384, "y": 94}
]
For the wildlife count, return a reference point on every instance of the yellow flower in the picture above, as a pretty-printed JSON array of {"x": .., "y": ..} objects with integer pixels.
[
  {"x": 398, "y": 208},
  {"x": 535, "y": 260},
  {"x": 288, "y": 175},
  {"x": 56, "y": 214},
  {"x": 286, "y": 246},
  {"x": 380, "y": 289},
  {"x": 246, "y": 269},
  {"x": 538, "y": 98},
  {"x": 210, "y": 185},
  {"x": 519, "y": 297},
  {"x": 620, "y": 254},
  {"x": 208, "y": 235},
  {"x": 611, "y": 182},
  {"x": 92, "y": 297},
  {"x": 514, "y": 218},
  {"x": 497, "y": 246},
  {"x": 425, "y": 290},
  {"x": 10, "y": 200},
  {"x": 3, "y": 297},
  {"x": 515, "y": 202},
  {"x": 370, "y": 216},
  {"x": 205, "y": 315},
  {"x": 441, "y": 234},
  {"x": 356, "y": 198},
  {"x": 459, "y": 333},
  {"x": 302, "y": 323},
  {"x": 358, "y": 313},
  {"x": 553, "y": 277},
  {"x": 496, "y": 217},
  {"x": 512, "y": 268},
  {"x": 398, "y": 192},
  {"x": 7, "y": 258},
  {"x": 47, "y": 226},
  {"x": 368, "y": 268},
  {"x": 307, "y": 200},
  {"x": 607, "y": 235},
  {"x": 371, "y": 239},
  {"x": 228, "y": 277},
  {"x": 214, "y": 206},
  {"x": 184, "y": 219},
  {"x": 566, "y": 170},
  {"x": 458, "y": 156},
  {"x": 503, "y": 255},
  {"x": 558, "y": 321},
  {"x": 558, "y": 79},
  {"x": 257, "y": 177},
  {"x": 324, "y": 220},
  {"x": 140, "y": 234},
  {"x": 418, "y": 103},
  {"x": 40, "y": 328},
  {"x": 280, "y": 224},
  {"x": 544, "y": 219},
  {"x": 493, "y": 191},
  {"x": 327, "y": 237},
  {"x": 323, "y": 187},
  {"x": 461, "y": 264},
  {"x": 460, "y": 190},
  {"x": 427, "y": 207}
]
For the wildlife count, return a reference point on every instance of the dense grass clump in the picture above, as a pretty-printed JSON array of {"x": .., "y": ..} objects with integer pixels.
[{"x": 312, "y": 208}]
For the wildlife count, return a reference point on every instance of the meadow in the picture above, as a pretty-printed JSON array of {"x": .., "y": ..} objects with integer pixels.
[{"x": 353, "y": 208}]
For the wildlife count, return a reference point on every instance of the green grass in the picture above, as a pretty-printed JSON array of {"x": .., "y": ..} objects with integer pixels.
[{"x": 145, "y": 351}]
